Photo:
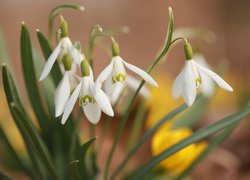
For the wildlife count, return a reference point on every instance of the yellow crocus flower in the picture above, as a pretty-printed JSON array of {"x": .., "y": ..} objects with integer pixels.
[{"x": 178, "y": 162}]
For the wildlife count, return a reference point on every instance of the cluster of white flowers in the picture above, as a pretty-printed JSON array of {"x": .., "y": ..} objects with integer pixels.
[{"x": 93, "y": 99}]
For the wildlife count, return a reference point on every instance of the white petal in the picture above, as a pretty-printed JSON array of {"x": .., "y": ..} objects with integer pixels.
[
  {"x": 117, "y": 91},
  {"x": 207, "y": 85},
  {"x": 71, "y": 102},
  {"x": 113, "y": 90},
  {"x": 188, "y": 84},
  {"x": 134, "y": 83},
  {"x": 48, "y": 66},
  {"x": 92, "y": 112},
  {"x": 76, "y": 55},
  {"x": 103, "y": 76},
  {"x": 102, "y": 100},
  {"x": 118, "y": 68},
  {"x": 177, "y": 86},
  {"x": 72, "y": 80},
  {"x": 62, "y": 94},
  {"x": 109, "y": 86},
  {"x": 216, "y": 78},
  {"x": 85, "y": 90},
  {"x": 141, "y": 73}
]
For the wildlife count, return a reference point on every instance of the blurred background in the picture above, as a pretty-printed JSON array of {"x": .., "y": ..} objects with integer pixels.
[{"x": 148, "y": 20}]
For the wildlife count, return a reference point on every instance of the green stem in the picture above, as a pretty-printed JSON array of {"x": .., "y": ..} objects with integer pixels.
[
  {"x": 137, "y": 125},
  {"x": 178, "y": 39}
]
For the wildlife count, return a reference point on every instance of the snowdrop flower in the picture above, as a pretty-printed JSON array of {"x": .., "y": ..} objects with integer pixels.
[
  {"x": 92, "y": 101},
  {"x": 114, "y": 90},
  {"x": 194, "y": 76},
  {"x": 66, "y": 85},
  {"x": 116, "y": 70},
  {"x": 64, "y": 46}
]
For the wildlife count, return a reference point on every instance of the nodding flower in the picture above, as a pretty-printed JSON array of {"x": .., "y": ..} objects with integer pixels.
[
  {"x": 194, "y": 76},
  {"x": 117, "y": 73},
  {"x": 91, "y": 101}
]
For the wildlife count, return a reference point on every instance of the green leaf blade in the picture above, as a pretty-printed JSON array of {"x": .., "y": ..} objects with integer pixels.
[
  {"x": 36, "y": 140},
  {"x": 12, "y": 97},
  {"x": 81, "y": 156},
  {"x": 30, "y": 79},
  {"x": 15, "y": 158},
  {"x": 197, "y": 136},
  {"x": 211, "y": 146}
]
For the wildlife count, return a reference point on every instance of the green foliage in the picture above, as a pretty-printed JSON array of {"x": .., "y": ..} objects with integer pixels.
[{"x": 197, "y": 136}]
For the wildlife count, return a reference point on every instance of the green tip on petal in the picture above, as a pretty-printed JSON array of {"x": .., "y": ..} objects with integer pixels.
[
  {"x": 85, "y": 68},
  {"x": 188, "y": 51},
  {"x": 67, "y": 62},
  {"x": 120, "y": 78},
  {"x": 115, "y": 48},
  {"x": 64, "y": 28}
]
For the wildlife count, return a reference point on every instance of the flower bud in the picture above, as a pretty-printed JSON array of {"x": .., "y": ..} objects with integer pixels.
[
  {"x": 85, "y": 69},
  {"x": 67, "y": 62},
  {"x": 188, "y": 51}
]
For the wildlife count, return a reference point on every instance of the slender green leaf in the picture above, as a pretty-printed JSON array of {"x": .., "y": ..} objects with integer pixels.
[
  {"x": 12, "y": 97},
  {"x": 57, "y": 10},
  {"x": 211, "y": 146},
  {"x": 197, "y": 136},
  {"x": 147, "y": 135},
  {"x": 81, "y": 156},
  {"x": 73, "y": 170},
  {"x": 36, "y": 140},
  {"x": 30, "y": 135},
  {"x": 47, "y": 50},
  {"x": 30, "y": 79},
  {"x": 19, "y": 163}
]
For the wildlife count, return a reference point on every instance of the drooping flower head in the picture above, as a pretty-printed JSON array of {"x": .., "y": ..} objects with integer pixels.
[
  {"x": 92, "y": 101},
  {"x": 194, "y": 76},
  {"x": 117, "y": 73},
  {"x": 63, "y": 47}
]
